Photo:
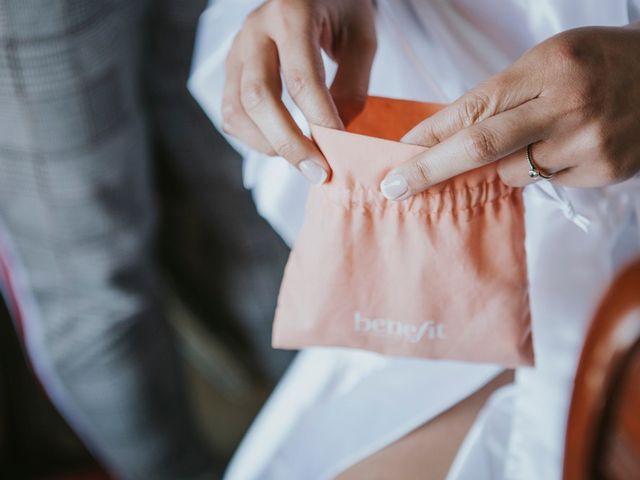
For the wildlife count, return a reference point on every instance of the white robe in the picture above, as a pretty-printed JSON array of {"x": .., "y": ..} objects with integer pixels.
[{"x": 335, "y": 406}]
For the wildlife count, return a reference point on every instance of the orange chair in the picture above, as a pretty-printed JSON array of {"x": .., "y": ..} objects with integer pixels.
[{"x": 603, "y": 432}]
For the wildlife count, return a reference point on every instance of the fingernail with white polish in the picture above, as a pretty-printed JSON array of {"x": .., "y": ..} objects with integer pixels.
[
  {"x": 394, "y": 186},
  {"x": 313, "y": 171}
]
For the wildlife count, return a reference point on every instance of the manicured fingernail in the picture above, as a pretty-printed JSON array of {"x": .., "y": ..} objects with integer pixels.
[
  {"x": 313, "y": 171},
  {"x": 394, "y": 186}
]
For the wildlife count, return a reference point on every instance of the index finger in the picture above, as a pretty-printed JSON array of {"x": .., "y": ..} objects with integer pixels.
[
  {"x": 260, "y": 98},
  {"x": 504, "y": 91},
  {"x": 303, "y": 72},
  {"x": 473, "y": 147}
]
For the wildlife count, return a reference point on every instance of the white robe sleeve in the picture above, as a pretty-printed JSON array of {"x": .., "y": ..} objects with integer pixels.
[
  {"x": 279, "y": 190},
  {"x": 217, "y": 27},
  {"x": 634, "y": 11}
]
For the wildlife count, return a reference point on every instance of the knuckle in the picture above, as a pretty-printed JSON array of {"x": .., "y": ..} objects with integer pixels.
[
  {"x": 481, "y": 145},
  {"x": 298, "y": 81},
  {"x": 569, "y": 49},
  {"x": 253, "y": 20},
  {"x": 260, "y": 145},
  {"x": 268, "y": 150},
  {"x": 227, "y": 128},
  {"x": 421, "y": 174},
  {"x": 426, "y": 136},
  {"x": 476, "y": 106},
  {"x": 576, "y": 49},
  {"x": 572, "y": 55},
  {"x": 252, "y": 95},
  {"x": 430, "y": 136},
  {"x": 367, "y": 41},
  {"x": 230, "y": 113},
  {"x": 289, "y": 150}
]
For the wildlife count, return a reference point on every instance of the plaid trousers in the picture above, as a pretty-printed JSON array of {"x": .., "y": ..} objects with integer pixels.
[{"x": 77, "y": 200}]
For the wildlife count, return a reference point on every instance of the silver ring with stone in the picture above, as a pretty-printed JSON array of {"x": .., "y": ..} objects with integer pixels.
[{"x": 534, "y": 171}]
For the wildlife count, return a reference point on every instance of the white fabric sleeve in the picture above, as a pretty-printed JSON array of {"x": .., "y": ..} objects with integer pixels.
[
  {"x": 217, "y": 27},
  {"x": 634, "y": 11},
  {"x": 279, "y": 190}
]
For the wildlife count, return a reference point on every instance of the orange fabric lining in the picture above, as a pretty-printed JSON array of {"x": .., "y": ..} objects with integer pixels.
[{"x": 390, "y": 118}]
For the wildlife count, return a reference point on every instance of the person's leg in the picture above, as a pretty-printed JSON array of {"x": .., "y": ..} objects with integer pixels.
[
  {"x": 76, "y": 204},
  {"x": 428, "y": 451}
]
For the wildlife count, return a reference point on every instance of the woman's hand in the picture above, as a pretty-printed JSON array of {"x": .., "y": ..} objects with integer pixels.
[
  {"x": 283, "y": 39},
  {"x": 574, "y": 97}
]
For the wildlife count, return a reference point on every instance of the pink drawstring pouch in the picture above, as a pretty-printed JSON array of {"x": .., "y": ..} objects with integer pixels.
[{"x": 441, "y": 275}]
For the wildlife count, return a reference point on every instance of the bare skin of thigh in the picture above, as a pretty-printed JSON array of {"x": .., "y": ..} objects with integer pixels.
[{"x": 428, "y": 451}]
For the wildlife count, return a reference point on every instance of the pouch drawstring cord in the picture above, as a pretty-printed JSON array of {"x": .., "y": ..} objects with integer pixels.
[{"x": 558, "y": 195}]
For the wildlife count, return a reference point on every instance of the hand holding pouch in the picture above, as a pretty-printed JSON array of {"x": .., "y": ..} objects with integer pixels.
[{"x": 441, "y": 275}]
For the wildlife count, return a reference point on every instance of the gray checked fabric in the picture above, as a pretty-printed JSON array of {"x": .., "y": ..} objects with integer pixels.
[
  {"x": 77, "y": 197},
  {"x": 228, "y": 260}
]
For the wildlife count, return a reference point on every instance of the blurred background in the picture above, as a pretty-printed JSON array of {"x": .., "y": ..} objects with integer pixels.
[
  {"x": 154, "y": 278},
  {"x": 217, "y": 264}
]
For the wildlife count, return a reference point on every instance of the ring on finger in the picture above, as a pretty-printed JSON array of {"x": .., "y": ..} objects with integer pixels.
[{"x": 534, "y": 171}]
